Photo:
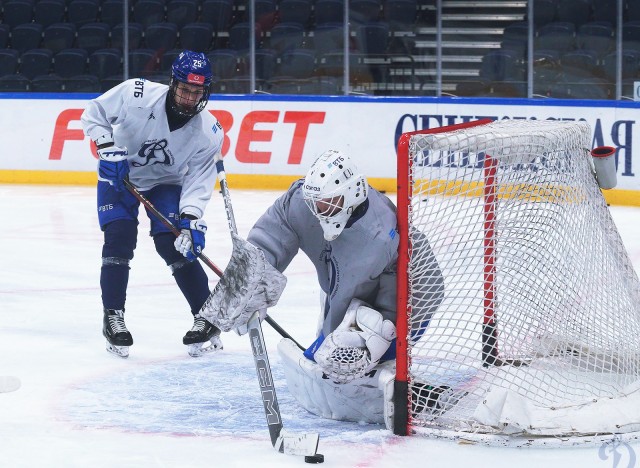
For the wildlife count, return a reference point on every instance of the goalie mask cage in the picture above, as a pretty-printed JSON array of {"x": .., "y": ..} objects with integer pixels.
[{"x": 535, "y": 337}]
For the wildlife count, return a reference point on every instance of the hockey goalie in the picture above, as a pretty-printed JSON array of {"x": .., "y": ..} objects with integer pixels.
[{"x": 348, "y": 231}]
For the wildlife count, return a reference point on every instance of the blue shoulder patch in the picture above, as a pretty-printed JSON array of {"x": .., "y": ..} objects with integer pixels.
[{"x": 393, "y": 233}]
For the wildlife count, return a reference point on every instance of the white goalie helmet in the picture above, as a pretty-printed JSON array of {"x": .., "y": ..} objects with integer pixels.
[{"x": 333, "y": 189}]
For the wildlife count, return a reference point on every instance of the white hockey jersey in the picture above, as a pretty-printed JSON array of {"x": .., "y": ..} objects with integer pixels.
[
  {"x": 360, "y": 263},
  {"x": 135, "y": 113}
]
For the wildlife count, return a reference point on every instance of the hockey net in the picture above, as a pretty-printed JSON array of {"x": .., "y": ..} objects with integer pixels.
[{"x": 522, "y": 306}]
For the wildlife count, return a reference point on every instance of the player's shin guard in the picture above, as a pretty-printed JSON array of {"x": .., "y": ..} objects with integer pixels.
[{"x": 117, "y": 251}]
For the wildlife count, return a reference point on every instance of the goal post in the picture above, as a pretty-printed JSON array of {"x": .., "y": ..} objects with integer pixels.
[{"x": 536, "y": 332}]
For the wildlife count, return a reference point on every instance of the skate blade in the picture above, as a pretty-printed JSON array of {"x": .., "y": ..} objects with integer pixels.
[
  {"x": 120, "y": 351},
  {"x": 200, "y": 349}
]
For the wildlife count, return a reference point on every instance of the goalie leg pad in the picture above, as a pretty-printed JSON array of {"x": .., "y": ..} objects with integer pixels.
[{"x": 361, "y": 400}]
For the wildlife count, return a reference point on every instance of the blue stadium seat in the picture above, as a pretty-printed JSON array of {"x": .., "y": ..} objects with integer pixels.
[
  {"x": 557, "y": 36},
  {"x": 47, "y": 12},
  {"x": 544, "y": 11},
  {"x": 630, "y": 65},
  {"x": 59, "y": 36},
  {"x": 81, "y": 12},
  {"x": 104, "y": 63},
  {"x": 328, "y": 37},
  {"x": 217, "y": 13},
  {"x": 93, "y": 36},
  {"x": 239, "y": 35},
  {"x": 8, "y": 61},
  {"x": 70, "y": 62},
  {"x": 266, "y": 62},
  {"x": 583, "y": 60},
  {"x": 295, "y": 11},
  {"x": 605, "y": 10},
  {"x": 112, "y": 12},
  {"x": 631, "y": 35},
  {"x": 135, "y": 31},
  {"x": 47, "y": 84},
  {"x": 297, "y": 63},
  {"x": 577, "y": 12},
  {"x": 196, "y": 37},
  {"x": 109, "y": 82},
  {"x": 364, "y": 11},
  {"x": 633, "y": 10},
  {"x": 588, "y": 88},
  {"x": 167, "y": 59},
  {"x": 265, "y": 13},
  {"x": 36, "y": 62},
  {"x": 515, "y": 37},
  {"x": 16, "y": 12},
  {"x": 182, "y": 12},
  {"x": 4, "y": 35},
  {"x": 161, "y": 36},
  {"x": 224, "y": 63},
  {"x": 401, "y": 14},
  {"x": 373, "y": 38},
  {"x": 287, "y": 36},
  {"x": 26, "y": 36},
  {"x": 500, "y": 65},
  {"x": 14, "y": 84},
  {"x": 597, "y": 36},
  {"x": 82, "y": 84},
  {"x": 147, "y": 12},
  {"x": 142, "y": 63},
  {"x": 329, "y": 11}
]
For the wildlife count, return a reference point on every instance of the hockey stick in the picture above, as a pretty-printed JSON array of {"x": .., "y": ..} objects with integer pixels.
[
  {"x": 304, "y": 444},
  {"x": 9, "y": 383},
  {"x": 169, "y": 225}
]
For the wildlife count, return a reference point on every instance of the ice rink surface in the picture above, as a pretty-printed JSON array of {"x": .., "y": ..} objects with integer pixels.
[{"x": 79, "y": 406}]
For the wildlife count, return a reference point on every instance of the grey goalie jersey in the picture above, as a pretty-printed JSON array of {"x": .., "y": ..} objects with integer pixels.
[
  {"x": 134, "y": 112},
  {"x": 360, "y": 263}
]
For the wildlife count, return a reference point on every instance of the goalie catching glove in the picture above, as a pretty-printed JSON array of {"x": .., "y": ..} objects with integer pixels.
[
  {"x": 190, "y": 242},
  {"x": 113, "y": 166},
  {"x": 356, "y": 345}
]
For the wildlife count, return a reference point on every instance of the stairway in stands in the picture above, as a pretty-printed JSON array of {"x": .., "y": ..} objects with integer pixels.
[{"x": 470, "y": 29}]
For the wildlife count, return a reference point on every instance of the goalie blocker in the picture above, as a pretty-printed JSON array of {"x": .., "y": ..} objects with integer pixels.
[{"x": 249, "y": 284}]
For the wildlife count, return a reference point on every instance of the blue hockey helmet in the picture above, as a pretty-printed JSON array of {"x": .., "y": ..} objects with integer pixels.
[{"x": 190, "y": 87}]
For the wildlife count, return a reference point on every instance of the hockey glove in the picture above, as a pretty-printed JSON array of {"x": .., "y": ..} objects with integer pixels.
[
  {"x": 113, "y": 166},
  {"x": 356, "y": 345},
  {"x": 190, "y": 242}
]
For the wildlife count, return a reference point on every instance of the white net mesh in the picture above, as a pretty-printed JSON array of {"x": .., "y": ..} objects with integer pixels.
[{"x": 538, "y": 329}]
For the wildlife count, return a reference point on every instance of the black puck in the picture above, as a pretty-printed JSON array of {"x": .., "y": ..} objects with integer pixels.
[{"x": 317, "y": 458}]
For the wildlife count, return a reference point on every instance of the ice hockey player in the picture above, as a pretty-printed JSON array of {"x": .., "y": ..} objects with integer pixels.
[
  {"x": 159, "y": 138},
  {"x": 348, "y": 231}
]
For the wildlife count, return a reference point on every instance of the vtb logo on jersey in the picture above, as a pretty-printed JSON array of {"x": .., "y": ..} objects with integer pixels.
[{"x": 154, "y": 152}]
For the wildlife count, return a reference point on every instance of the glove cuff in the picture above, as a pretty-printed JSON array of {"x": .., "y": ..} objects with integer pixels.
[{"x": 104, "y": 141}]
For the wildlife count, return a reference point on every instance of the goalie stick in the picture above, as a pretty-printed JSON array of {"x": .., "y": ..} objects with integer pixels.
[
  {"x": 303, "y": 444},
  {"x": 206, "y": 260},
  {"x": 9, "y": 383}
]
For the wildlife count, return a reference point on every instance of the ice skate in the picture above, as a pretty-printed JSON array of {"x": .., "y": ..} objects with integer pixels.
[
  {"x": 115, "y": 331},
  {"x": 201, "y": 333}
]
